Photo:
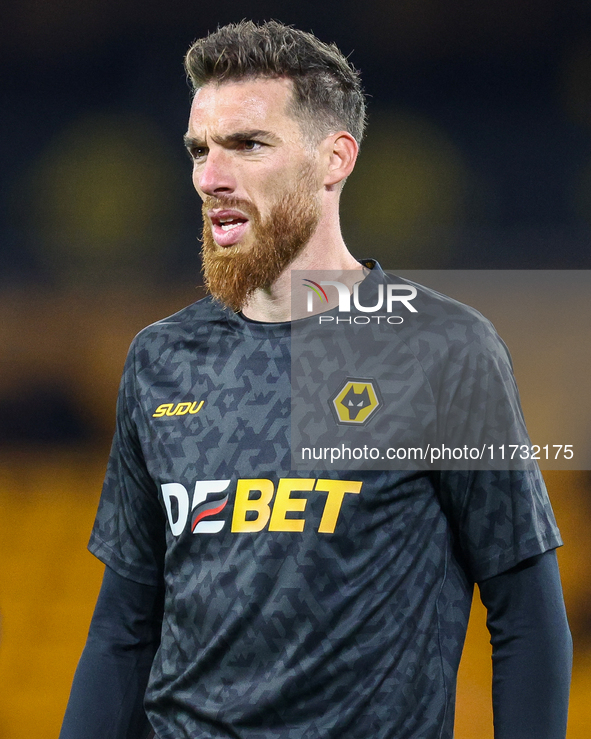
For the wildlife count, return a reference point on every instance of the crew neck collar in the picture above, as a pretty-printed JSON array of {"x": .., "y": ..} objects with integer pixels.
[{"x": 279, "y": 329}]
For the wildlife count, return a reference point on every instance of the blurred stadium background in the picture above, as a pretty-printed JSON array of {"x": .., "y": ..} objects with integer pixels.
[{"x": 478, "y": 156}]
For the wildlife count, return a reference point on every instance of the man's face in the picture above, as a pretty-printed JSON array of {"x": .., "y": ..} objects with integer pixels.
[{"x": 259, "y": 181}]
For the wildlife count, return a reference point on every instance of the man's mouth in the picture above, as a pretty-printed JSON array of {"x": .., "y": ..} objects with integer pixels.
[{"x": 228, "y": 226}]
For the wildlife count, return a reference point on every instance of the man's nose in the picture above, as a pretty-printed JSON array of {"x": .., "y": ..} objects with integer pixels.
[{"x": 215, "y": 176}]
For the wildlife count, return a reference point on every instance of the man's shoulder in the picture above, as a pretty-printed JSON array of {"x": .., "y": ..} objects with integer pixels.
[
  {"x": 199, "y": 321},
  {"x": 441, "y": 331},
  {"x": 436, "y": 304},
  {"x": 439, "y": 316}
]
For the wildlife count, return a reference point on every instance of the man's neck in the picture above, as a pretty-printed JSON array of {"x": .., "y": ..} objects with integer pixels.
[{"x": 274, "y": 304}]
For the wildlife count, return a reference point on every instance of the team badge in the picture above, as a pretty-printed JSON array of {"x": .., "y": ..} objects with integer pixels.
[{"x": 356, "y": 401}]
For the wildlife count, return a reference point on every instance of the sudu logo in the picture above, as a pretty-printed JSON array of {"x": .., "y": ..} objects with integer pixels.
[{"x": 178, "y": 409}]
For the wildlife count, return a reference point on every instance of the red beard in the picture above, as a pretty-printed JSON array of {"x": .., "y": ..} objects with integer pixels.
[{"x": 232, "y": 274}]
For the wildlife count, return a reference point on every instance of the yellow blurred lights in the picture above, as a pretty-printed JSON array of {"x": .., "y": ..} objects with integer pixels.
[
  {"x": 409, "y": 185},
  {"x": 104, "y": 193}
]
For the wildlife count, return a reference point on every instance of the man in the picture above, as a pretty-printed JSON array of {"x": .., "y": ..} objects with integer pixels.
[{"x": 255, "y": 602}]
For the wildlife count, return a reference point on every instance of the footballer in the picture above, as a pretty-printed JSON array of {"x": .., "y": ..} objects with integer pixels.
[{"x": 242, "y": 599}]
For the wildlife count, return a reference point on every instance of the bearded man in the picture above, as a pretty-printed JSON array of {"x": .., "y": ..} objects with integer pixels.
[{"x": 242, "y": 599}]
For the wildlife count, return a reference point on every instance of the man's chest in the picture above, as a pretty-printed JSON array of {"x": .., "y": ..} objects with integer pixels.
[{"x": 215, "y": 410}]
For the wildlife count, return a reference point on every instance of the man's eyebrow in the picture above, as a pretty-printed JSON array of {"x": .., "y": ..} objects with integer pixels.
[
  {"x": 233, "y": 138},
  {"x": 255, "y": 133},
  {"x": 189, "y": 141}
]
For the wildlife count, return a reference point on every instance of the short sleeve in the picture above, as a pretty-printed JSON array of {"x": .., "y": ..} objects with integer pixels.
[
  {"x": 129, "y": 529},
  {"x": 478, "y": 405},
  {"x": 500, "y": 517},
  {"x": 499, "y": 508}
]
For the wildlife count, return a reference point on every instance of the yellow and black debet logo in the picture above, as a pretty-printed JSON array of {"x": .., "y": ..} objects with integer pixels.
[{"x": 356, "y": 401}]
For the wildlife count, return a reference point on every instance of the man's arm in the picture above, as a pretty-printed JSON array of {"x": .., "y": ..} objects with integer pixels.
[
  {"x": 106, "y": 700},
  {"x": 532, "y": 649}
]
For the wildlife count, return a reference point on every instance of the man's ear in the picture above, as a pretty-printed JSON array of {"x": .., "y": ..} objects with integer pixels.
[{"x": 341, "y": 152}]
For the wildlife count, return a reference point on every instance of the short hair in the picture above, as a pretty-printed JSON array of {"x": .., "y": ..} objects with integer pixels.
[{"x": 327, "y": 91}]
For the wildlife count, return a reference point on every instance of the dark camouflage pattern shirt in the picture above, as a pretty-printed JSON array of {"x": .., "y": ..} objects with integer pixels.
[{"x": 319, "y": 605}]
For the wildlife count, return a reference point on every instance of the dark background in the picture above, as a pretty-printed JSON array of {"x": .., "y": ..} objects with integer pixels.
[
  {"x": 478, "y": 153},
  {"x": 478, "y": 156}
]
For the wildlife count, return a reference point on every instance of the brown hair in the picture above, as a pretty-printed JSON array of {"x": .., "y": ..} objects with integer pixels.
[{"x": 327, "y": 89}]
